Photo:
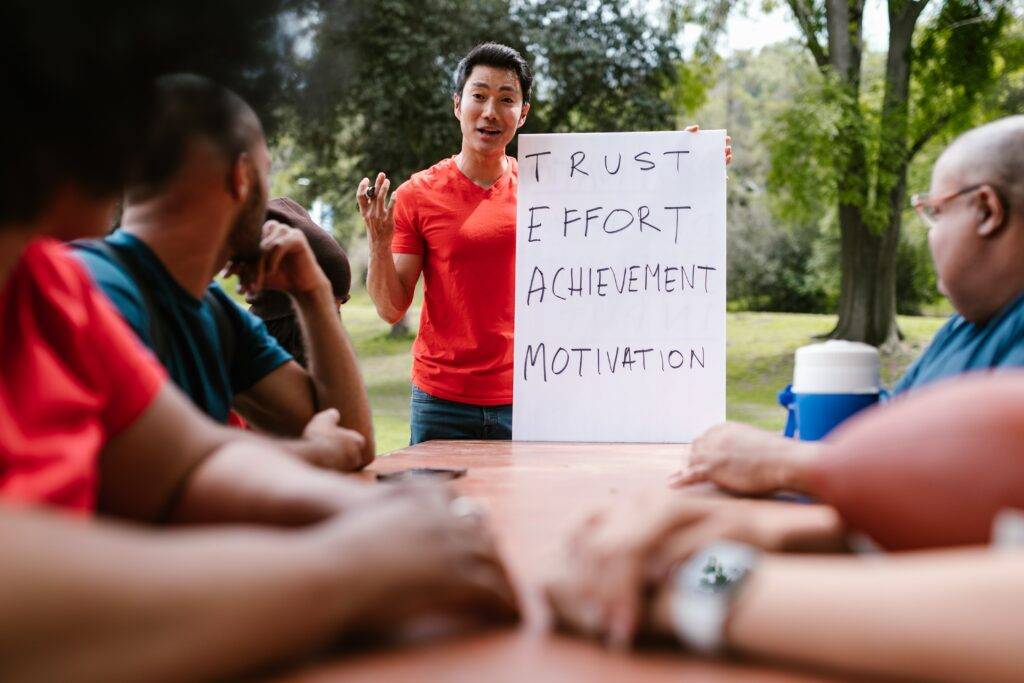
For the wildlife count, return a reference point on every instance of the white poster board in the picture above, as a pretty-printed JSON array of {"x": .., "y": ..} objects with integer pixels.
[{"x": 620, "y": 287}]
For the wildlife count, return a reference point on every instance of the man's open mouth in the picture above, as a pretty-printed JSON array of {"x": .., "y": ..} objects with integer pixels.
[{"x": 489, "y": 132}]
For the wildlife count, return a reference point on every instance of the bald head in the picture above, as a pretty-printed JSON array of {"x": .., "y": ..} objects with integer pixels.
[
  {"x": 992, "y": 154},
  {"x": 976, "y": 233},
  {"x": 190, "y": 110}
]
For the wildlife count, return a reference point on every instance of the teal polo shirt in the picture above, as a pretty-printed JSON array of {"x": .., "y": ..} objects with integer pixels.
[
  {"x": 961, "y": 346},
  {"x": 196, "y": 362}
]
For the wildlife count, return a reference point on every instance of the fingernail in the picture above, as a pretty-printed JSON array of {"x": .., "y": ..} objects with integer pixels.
[
  {"x": 619, "y": 635},
  {"x": 590, "y": 615},
  {"x": 678, "y": 476}
]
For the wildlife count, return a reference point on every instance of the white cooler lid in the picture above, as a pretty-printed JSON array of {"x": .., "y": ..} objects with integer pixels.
[{"x": 836, "y": 367}]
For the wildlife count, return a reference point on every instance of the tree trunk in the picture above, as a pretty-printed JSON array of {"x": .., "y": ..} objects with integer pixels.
[
  {"x": 870, "y": 217},
  {"x": 400, "y": 329},
  {"x": 867, "y": 304},
  {"x": 866, "y": 299}
]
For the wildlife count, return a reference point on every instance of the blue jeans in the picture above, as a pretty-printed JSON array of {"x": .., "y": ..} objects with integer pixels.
[{"x": 436, "y": 418}]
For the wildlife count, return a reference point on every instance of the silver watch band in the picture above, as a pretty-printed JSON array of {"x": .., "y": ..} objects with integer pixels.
[{"x": 704, "y": 589}]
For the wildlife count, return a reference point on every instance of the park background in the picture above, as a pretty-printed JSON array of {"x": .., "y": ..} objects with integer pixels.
[{"x": 837, "y": 110}]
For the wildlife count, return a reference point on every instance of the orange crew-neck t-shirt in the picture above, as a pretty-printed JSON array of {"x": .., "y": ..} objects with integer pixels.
[{"x": 466, "y": 236}]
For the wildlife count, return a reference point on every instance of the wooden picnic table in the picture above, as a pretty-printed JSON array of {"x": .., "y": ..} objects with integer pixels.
[{"x": 533, "y": 493}]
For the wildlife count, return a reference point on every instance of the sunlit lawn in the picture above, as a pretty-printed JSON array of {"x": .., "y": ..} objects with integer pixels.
[
  {"x": 760, "y": 350},
  {"x": 760, "y": 362},
  {"x": 386, "y": 364}
]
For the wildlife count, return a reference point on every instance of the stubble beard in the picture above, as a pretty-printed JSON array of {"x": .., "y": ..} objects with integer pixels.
[{"x": 247, "y": 231}]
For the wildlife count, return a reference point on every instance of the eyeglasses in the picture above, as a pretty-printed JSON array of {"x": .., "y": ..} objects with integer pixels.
[{"x": 927, "y": 207}]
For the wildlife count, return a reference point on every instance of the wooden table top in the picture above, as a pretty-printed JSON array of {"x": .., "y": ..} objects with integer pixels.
[{"x": 534, "y": 492}]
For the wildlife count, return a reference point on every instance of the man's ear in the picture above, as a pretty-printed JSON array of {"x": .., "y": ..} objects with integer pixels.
[
  {"x": 239, "y": 177},
  {"x": 523, "y": 113},
  {"x": 992, "y": 210},
  {"x": 457, "y": 105}
]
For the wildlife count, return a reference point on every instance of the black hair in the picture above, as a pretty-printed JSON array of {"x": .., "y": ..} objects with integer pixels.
[
  {"x": 189, "y": 107},
  {"x": 77, "y": 83},
  {"x": 500, "y": 57},
  {"x": 288, "y": 333}
]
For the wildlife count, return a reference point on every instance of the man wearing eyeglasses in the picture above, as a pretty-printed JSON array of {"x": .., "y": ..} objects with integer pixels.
[
  {"x": 976, "y": 235},
  {"x": 975, "y": 216}
]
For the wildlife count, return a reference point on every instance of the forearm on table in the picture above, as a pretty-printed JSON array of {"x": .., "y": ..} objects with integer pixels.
[
  {"x": 333, "y": 368},
  {"x": 794, "y": 462},
  {"x": 315, "y": 451},
  {"x": 245, "y": 483},
  {"x": 951, "y": 616},
  {"x": 309, "y": 451},
  {"x": 388, "y": 292},
  {"x": 805, "y": 529},
  {"x": 90, "y": 601}
]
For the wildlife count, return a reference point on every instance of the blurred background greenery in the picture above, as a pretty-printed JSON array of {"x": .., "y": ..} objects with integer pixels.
[
  {"x": 829, "y": 143},
  {"x": 759, "y": 351}
]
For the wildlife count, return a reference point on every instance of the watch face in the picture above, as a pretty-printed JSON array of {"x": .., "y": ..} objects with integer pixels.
[{"x": 719, "y": 567}]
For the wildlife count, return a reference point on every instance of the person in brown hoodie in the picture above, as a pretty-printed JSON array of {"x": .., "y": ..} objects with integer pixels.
[{"x": 274, "y": 307}]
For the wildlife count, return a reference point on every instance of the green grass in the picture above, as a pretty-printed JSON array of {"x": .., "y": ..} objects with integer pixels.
[
  {"x": 760, "y": 350},
  {"x": 760, "y": 362},
  {"x": 387, "y": 365}
]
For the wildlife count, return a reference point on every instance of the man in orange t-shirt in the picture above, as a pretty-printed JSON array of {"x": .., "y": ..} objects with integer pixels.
[{"x": 455, "y": 223}]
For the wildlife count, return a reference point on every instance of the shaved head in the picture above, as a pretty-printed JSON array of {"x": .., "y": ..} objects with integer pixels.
[
  {"x": 976, "y": 234},
  {"x": 992, "y": 154},
  {"x": 190, "y": 108},
  {"x": 204, "y": 159}
]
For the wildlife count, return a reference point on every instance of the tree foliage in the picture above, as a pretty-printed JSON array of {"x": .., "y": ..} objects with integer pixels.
[
  {"x": 784, "y": 243},
  {"x": 600, "y": 66},
  {"x": 377, "y": 93},
  {"x": 854, "y": 129},
  {"x": 379, "y": 87}
]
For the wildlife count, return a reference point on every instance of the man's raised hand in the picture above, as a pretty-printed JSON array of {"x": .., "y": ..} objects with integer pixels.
[{"x": 378, "y": 213}]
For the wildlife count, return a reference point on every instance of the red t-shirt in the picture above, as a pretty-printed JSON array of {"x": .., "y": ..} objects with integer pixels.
[
  {"x": 72, "y": 375},
  {"x": 466, "y": 235}
]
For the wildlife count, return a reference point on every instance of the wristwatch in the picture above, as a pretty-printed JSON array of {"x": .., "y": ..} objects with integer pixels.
[{"x": 704, "y": 589}]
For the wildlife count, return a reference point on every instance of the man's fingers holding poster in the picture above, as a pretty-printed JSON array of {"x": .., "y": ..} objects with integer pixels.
[{"x": 695, "y": 128}]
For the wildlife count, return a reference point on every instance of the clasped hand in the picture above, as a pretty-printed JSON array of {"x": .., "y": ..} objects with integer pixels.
[
  {"x": 333, "y": 447},
  {"x": 286, "y": 263},
  {"x": 426, "y": 557}
]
